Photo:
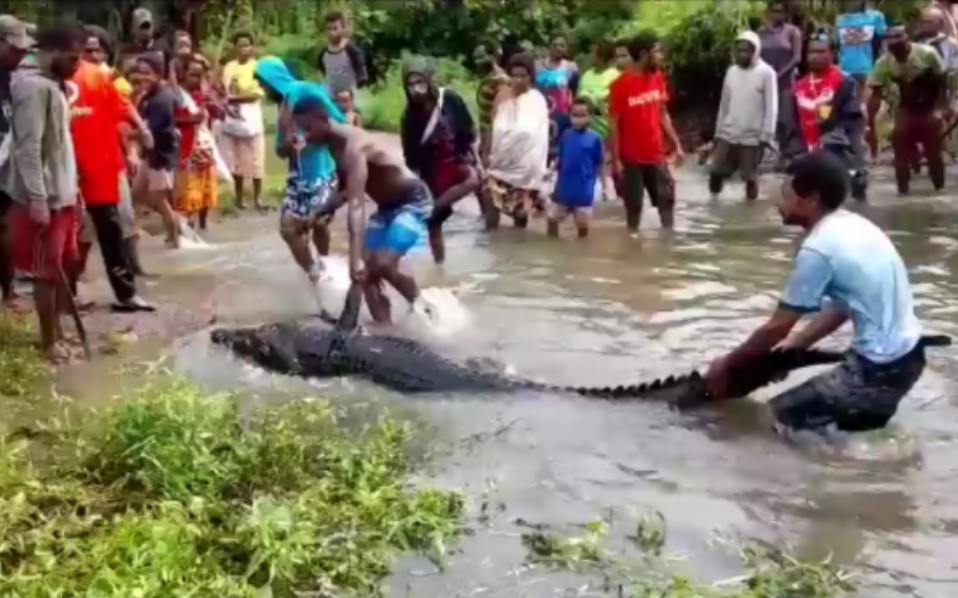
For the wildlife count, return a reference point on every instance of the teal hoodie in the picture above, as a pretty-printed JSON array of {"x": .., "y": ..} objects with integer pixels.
[{"x": 316, "y": 161}]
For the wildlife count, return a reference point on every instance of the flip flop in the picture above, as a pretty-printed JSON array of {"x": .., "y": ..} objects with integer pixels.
[{"x": 135, "y": 304}]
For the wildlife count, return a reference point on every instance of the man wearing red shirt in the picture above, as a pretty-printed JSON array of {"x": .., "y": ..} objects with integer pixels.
[
  {"x": 640, "y": 124},
  {"x": 829, "y": 111},
  {"x": 98, "y": 109}
]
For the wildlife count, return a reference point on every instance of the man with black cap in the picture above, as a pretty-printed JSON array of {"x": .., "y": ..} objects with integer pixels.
[
  {"x": 15, "y": 42},
  {"x": 143, "y": 41}
]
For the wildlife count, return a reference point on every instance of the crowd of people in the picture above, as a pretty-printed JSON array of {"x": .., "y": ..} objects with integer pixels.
[{"x": 92, "y": 136}]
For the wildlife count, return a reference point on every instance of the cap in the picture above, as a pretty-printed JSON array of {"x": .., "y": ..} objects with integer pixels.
[
  {"x": 141, "y": 17},
  {"x": 15, "y": 32}
]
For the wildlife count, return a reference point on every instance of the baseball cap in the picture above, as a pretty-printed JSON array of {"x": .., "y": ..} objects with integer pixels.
[
  {"x": 141, "y": 17},
  {"x": 15, "y": 32}
]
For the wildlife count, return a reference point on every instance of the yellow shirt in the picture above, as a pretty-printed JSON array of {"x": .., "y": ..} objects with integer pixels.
[
  {"x": 123, "y": 86},
  {"x": 240, "y": 78}
]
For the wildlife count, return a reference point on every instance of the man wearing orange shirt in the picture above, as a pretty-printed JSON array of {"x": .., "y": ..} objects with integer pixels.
[
  {"x": 640, "y": 123},
  {"x": 98, "y": 111}
]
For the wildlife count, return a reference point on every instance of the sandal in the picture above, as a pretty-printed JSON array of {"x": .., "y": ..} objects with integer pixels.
[{"x": 132, "y": 305}]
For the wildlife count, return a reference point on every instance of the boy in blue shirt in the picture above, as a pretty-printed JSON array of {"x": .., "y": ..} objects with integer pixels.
[
  {"x": 859, "y": 30},
  {"x": 579, "y": 164}
]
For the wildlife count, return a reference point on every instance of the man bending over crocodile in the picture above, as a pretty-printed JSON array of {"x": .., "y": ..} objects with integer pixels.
[
  {"x": 403, "y": 200},
  {"x": 846, "y": 268}
]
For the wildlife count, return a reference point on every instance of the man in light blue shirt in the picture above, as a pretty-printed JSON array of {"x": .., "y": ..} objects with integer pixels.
[
  {"x": 859, "y": 36},
  {"x": 846, "y": 268}
]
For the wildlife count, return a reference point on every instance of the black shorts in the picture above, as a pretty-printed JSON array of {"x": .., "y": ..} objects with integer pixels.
[
  {"x": 728, "y": 157},
  {"x": 438, "y": 217},
  {"x": 855, "y": 396},
  {"x": 637, "y": 179}
]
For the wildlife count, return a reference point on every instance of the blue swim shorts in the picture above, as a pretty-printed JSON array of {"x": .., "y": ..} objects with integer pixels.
[{"x": 400, "y": 228}]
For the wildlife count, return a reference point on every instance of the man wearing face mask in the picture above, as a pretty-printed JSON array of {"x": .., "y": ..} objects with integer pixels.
[
  {"x": 44, "y": 177},
  {"x": 919, "y": 73},
  {"x": 746, "y": 117},
  {"x": 846, "y": 269},
  {"x": 437, "y": 137}
]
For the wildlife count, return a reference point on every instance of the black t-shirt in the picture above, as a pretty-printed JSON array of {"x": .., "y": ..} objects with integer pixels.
[{"x": 157, "y": 109}]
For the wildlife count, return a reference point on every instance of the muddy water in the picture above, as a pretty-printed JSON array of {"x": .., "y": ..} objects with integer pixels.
[{"x": 621, "y": 308}]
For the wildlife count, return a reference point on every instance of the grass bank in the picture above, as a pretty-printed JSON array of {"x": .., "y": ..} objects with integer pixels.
[{"x": 172, "y": 492}]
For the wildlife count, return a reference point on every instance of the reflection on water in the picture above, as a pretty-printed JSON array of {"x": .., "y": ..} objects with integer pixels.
[{"x": 619, "y": 308}]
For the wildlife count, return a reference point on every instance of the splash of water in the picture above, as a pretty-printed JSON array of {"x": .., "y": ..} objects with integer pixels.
[
  {"x": 189, "y": 238},
  {"x": 440, "y": 313}
]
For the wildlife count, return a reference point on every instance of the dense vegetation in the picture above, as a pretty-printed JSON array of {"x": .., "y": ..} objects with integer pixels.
[
  {"x": 697, "y": 34},
  {"x": 175, "y": 492}
]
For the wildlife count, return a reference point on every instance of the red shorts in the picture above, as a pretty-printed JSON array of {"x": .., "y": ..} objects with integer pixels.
[{"x": 44, "y": 253}]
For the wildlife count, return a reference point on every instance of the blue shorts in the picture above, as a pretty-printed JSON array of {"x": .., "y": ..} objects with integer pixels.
[{"x": 400, "y": 228}]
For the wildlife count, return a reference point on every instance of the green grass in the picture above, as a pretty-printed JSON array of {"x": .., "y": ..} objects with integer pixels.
[
  {"x": 21, "y": 367},
  {"x": 177, "y": 495},
  {"x": 769, "y": 572}
]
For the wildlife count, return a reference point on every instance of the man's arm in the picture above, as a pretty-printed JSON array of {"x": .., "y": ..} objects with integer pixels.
[
  {"x": 358, "y": 60},
  {"x": 671, "y": 134},
  {"x": 804, "y": 293},
  {"x": 357, "y": 174},
  {"x": 599, "y": 154},
  {"x": 771, "y": 106},
  {"x": 765, "y": 338},
  {"x": 284, "y": 130},
  {"x": 795, "y": 36},
  {"x": 126, "y": 112},
  {"x": 821, "y": 326},
  {"x": 723, "y": 104},
  {"x": 29, "y": 107}
]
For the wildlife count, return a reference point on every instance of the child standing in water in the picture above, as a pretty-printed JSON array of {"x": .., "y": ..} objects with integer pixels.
[{"x": 579, "y": 163}]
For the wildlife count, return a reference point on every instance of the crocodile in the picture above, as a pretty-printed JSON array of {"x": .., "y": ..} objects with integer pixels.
[{"x": 309, "y": 349}]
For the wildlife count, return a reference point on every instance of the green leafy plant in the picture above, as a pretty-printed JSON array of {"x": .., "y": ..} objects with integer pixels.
[{"x": 176, "y": 494}]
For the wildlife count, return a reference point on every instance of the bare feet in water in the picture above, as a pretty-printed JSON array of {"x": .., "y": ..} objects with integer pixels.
[{"x": 63, "y": 353}]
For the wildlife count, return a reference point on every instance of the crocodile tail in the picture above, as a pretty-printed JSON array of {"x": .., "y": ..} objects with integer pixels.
[
  {"x": 690, "y": 390},
  {"x": 672, "y": 390}
]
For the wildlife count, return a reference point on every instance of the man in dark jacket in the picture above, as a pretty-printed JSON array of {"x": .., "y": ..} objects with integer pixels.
[
  {"x": 341, "y": 62},
  {"x": 829, "y": 112},
  {"x": 438, "y": 134}
]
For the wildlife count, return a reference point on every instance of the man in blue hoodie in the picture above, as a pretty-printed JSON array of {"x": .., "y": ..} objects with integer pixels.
[{"x": 310, "y": 200}]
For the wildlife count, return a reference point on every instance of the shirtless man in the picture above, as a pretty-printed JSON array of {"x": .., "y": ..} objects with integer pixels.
[{"x": 404, "y": 203}]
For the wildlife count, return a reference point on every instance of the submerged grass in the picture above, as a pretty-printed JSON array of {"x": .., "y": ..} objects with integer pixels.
[
  {"x": 176, "y": 494},
  {"x": 769, "y": 572}
]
